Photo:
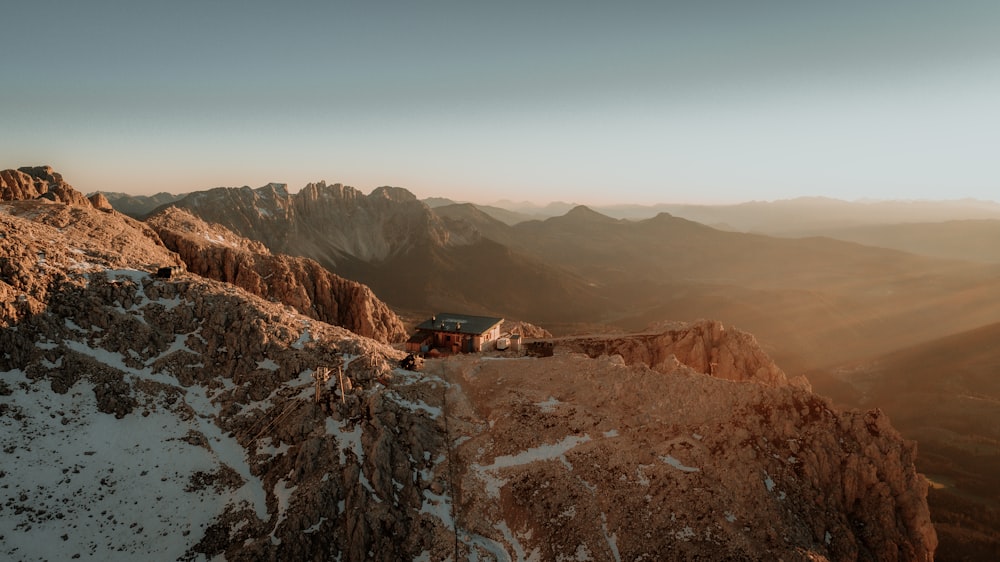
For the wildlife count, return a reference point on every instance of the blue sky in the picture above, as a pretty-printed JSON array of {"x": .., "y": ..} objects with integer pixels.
[{"x": 592, "y": 102}]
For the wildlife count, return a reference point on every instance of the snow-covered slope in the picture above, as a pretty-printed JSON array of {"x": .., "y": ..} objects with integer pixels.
[{"x": 165, "y": 418}]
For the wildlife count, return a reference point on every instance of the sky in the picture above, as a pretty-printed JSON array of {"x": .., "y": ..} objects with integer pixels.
[{"x": 592, "y": 102}]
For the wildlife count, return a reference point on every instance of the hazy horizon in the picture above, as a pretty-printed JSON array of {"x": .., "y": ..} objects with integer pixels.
[{"x": 718, "y": 102}]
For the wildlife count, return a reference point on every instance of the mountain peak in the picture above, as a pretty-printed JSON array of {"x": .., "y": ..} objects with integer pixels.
[
  {"x": 585, "y": 213},
  {"x": 33, "y": 182},
  {"x": 397, "y": 194},
  {"x": 273, "y": 189}
]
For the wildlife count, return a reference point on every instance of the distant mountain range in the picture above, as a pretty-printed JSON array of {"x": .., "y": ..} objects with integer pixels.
[
  {"x": 802, "y": 216},
  {"x": 812, "y": 301},
  {"x": 411, "y": 257}
]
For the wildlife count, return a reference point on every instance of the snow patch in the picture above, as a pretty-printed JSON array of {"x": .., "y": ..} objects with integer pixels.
[
  {"x": 415, "y": 405},
  {"x": 305, "y": 338},
  {"x": 268, "y": 364},
  {"x": 678, "y": 464},
  {"x": 554, "y": 451},
  {"x": 98, "y": 475},
  {"x": 612, "y": 538},
  {"x": 768, "y": 482},
  {"x": 348, "y": 438},
  {"x": 548, "y": 406}
]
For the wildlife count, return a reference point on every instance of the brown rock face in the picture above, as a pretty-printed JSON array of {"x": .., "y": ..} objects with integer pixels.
[
  {"x": 217, "y": 253},
  {"x": 39, "y": 181},
  {"x": 708, "y": 347},
  {"x": 99, "y": 201},
  {"x": 331, "y": 223},
  {"x": 626, "y": 463},
  {"x": 524, "y": 329},
  {"x": 30, "y": 264}
]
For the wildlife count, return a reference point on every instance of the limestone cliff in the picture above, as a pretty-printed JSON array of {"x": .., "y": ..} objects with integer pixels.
[
  {"x": 217, "y": 253},
  {"x": 395, "y": 244},
  {"x": 572, "y": 456},
  {"x": 707, "y": 347},
  {"x": 331, "y": 223},
  {"x": 38, "y": 181}
]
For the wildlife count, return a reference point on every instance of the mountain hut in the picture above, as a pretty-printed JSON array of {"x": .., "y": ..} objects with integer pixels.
[{"x": 456, "y": 333}]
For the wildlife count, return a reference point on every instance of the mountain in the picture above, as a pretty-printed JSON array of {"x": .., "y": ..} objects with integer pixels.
[
  {"x": 33, "y": 182},
  {"x": 126, "y": 399},
  {"x": 399, "y": 247},
  {"x": 435, "y": 202},
  {"x": 331, "y": 224},
  {"x": 474, "y": 215},
  {"x": 668, "y": 463},
  {"x": 785, "y": 217},
  {"x": 944, "y": 393},
  {"x": 812, "y": 301},
  {"x": 808, "y": 215},
  {"x": 139, "y": 206},
  {"x": 971, "y": 240},
  {"x": 217, "y": 253}
]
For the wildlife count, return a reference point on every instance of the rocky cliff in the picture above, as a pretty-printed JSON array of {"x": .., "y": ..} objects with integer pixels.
[
  {"x": 32, "y": 182},
  {"x": 217, "y": 253},
  {"x": 138, "y": 206},
  {"x": 570, "y": 457},
  {"x": 395, "y": 244},
  {"x": 126, "y": 399},
  {"x": 331, "y": 223},
  {"x": 707, "y": 347}
]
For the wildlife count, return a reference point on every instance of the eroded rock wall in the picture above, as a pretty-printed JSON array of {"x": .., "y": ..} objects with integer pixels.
[
  {"x": 706, "y": 346},
  {"x": 32, "y": 182},
  {"x": 217, "y": 253}
]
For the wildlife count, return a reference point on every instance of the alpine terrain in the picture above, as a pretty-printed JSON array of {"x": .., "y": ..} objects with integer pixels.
[{"x": 171, "y": 390}]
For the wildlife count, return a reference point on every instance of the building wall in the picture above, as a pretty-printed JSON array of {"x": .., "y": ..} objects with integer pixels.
[{"x": 448, "y": 340}]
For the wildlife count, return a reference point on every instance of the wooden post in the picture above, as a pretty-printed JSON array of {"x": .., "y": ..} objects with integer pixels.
[
  {"x": 320, "y": 375},
  {"x": 343, "y": 393}
]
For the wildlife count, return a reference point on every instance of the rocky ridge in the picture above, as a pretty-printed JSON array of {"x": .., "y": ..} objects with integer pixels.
[
  {"x": 571, "y": 457},
  {"x": 32, "y": 182},
  {"x": 706, "y": 346},
  {"x": 209, "y": 394},
  {"x": 393, "y": 243},
  {"x": 330, "y": 223},
  {"x": 137, "y": 206},
  {"x": 217, "y": 253}
]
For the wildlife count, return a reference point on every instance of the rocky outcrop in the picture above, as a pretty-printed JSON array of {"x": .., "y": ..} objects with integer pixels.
[
  {"x": 100, "y": 202},
  {"x": 395, "y": 244},
  {"x": 524, "y": 329},
  {"x": 138, "y": 206},
  {"x": 31, "y": 264},
  {"x": 706, "y": 346},
  {"x": 618, "y": 462},
  {"x": 217, "y": 253},
  {"x": 38, "y": 182},
  {"x": 209, "y": 393},
  {"x": 330, "y": 223}
]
